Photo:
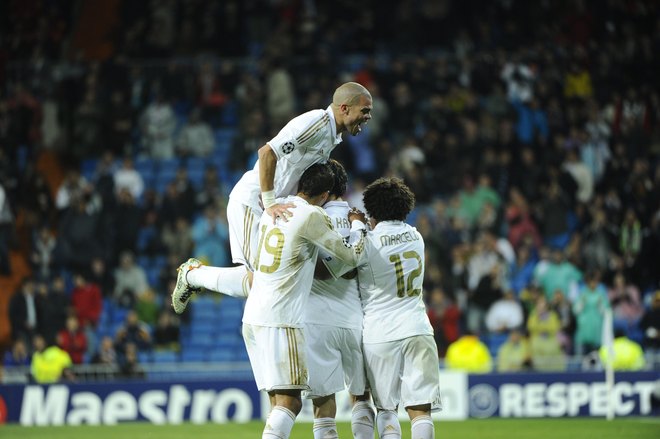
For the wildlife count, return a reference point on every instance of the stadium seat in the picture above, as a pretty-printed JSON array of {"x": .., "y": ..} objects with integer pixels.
[
  {"x": 193, "y": 355},
  {"x": 165, "y": 357},
  {"x": 220, "y": 355}
]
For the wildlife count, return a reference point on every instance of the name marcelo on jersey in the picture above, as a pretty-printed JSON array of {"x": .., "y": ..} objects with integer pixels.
[{"x": 401, "y": 238}]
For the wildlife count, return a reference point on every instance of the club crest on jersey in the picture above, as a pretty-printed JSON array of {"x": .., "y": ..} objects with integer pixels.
[{"x": 288, "y": 147}]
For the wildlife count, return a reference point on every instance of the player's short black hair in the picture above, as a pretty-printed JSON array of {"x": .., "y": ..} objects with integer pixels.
[
  {"x": 341, "y": 178},
  {"x": 388, "y": 199},
  {"x": 317, "y": 179}
]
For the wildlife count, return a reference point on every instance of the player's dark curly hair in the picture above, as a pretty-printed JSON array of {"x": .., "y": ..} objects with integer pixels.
[
  {"x": 388, "y": 199},
  {"x": 341, "y": 178},
  {"x": 317, "y": 179}
]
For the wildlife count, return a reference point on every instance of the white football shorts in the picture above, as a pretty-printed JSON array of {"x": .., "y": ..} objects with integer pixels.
[
  {"x": 243, "y": 232},
  {"x": 334, "y": 360},
  {"x": 277, "y": 356},
  {"x": 404, "y": 371}
]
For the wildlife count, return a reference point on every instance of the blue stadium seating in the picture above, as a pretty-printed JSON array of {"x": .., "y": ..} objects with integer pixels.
[{"x": 165, "y": 357}]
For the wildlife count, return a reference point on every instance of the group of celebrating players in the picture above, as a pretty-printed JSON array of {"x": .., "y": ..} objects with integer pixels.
[{"x": 334, "y": 296}]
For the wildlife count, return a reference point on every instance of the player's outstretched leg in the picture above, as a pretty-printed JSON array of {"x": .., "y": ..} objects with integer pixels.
[{"x": 183, "y": 291}]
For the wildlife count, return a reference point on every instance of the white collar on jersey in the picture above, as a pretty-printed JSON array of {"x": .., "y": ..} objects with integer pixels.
[
  {"x": 388, "y": 223},
  {"x": 333, "y": 203},
  {"x": 333, "y": 125}
]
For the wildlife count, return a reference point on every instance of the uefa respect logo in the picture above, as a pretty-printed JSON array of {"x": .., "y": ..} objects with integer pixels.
[{"x": 484, "y": 401}]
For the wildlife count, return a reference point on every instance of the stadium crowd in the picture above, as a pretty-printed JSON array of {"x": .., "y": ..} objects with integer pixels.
[{"x": 529, "y": 133}]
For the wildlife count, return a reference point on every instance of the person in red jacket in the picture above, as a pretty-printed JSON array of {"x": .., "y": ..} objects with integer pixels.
[
  {"x": 72, "y": 339},
  {"x": 86, "y": 300},
  {"x": 444, "y": 316}
]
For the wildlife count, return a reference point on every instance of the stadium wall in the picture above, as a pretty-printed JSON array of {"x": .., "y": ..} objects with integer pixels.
[{"x": 220, "y": 401}]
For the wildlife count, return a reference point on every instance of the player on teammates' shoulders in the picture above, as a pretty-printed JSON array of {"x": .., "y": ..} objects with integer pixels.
[{"x": 307, "y": 139}]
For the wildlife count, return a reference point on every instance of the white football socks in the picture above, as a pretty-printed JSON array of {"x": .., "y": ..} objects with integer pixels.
[
  {"x": 279, "y": 423},
  {"x": 388, "y": 425},
  {"x": 362, "y": 420},
  {"x": 422, "y": 427},
  {"x": 232, "y": 281},
  {"x": 325, "y": 428}
]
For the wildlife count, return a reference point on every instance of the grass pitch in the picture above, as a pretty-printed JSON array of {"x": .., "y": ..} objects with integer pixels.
[{"x": 631, "y": 428}]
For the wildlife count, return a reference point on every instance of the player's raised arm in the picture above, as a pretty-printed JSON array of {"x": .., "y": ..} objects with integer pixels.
[{"x": 267, "y": 163}]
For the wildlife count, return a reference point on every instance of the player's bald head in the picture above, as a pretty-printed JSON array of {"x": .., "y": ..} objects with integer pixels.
[{"x": 348, "y": 93}]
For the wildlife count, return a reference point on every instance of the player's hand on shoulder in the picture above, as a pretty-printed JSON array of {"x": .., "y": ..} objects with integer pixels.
[
  {"x": 282, "y": 211},
  {"x": 355, "y": 214}
]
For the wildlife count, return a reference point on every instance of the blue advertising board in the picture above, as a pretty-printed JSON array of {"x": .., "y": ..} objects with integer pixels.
[
  {"x": 219, "y": 401},
  {"x": 534, "y": 395},
  {"x": 113, "y": 402}
]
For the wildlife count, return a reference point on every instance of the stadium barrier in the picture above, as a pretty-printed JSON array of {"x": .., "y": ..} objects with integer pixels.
[{"x": 237, "y": 400}]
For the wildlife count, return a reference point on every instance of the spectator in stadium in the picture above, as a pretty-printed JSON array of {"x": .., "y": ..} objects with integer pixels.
[
  {"x": 158, "y": 124},
  {"x": 598, "y": 237},
  {"x": 18, "y": 355},
  {"x": 72, "y": 340},
  {"x": 23, "y": 311},
  {"x": 627, "y": 354},
  {"x": 522, "y": 272},
  {"x": 505, "y": 314},
  {"x": 650, "y": 324},
  {"x": 514, "y": 355},
  {"x": 130, "y": 280},
  {"x": 86, "y": 300},
  {"x": 127, "y": 216},
  {"x": 589, "y": 310},
  {"x": 627, "y": 308},
  {"x": 557, "y": 273},
  {"x": 486, "y": 270},
  {"x": 444, "y": 316},
  {"x": 469, "y": 354},
  {"x": 196, "y": 138},
  {"x": 147, "y": 307},
  {"x": 178, "y": 238},
  {"x": 106, "y": 353},
  {"x": 43, "y": 248},
  {"x": 53, "y": 305},
  {"x": 133, "y": 332},
  {"x": 50, "y": 363},
  {"x": 211, "y": 235},
  {"x": 129, "y": 366},
  {"x": 564, "y": 309},
  {"x": 82, "y": 234},
  {"x": 166, "y": 332},
  {"x": 543, "y": 326},
  {"x": 128, "y": 178},
  {"x": 519, "y": 220}
]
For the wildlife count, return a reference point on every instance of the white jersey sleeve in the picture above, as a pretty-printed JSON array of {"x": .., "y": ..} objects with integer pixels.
[
  {"x": 307, "y": 139},
  {"x": 336, "y": 302},
  {"x": 391, "y": 284}
]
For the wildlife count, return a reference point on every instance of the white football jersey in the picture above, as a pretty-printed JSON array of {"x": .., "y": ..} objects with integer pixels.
[
  {"x": 307, "y": 139},
  {"x": 285, "y": 261},
  {"x": 336, "y": 302},
  {"x": 391, "y": 284}
]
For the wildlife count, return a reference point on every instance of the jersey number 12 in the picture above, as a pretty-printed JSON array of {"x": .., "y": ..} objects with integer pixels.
[{"x": 405, "y": 286}]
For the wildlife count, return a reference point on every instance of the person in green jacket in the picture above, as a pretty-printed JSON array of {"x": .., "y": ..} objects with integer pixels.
[{"x": 589, "y": 310}]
